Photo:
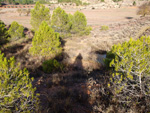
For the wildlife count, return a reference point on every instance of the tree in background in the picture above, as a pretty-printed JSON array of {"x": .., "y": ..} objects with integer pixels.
[
  {"x": 3, "y": 33},
  {"x": 60, "y": 21},
  {"x": 79, "y": 24},
  {"x": 131, "y": 71},
  {"x": 77, "y": 2},
  {"x": 16, "y": 31},
  {"x": 46, "y": 42},
  {"x": 38, "y": 14},
  {"x": 16, "y": 92},
  {"x": 17, "y": 1},
  {"x": 67, "y": 24}
]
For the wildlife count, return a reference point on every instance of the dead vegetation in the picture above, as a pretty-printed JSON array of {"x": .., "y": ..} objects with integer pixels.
[
  {"x": 144, "y": 9},
  {"x": 23, "y": 11}
]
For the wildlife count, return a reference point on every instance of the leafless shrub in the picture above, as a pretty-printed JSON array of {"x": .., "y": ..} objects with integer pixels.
[
  {"x": 24, "y": 11},
  {"x": 144, "y": 9}
]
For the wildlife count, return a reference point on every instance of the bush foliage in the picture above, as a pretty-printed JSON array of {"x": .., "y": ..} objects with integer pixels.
[
  {"x": 60, "y": 21},
  {"x": 39, "y": 14},
  {"x": 16, "y": 92},
  {"x": 131, "y": 71},
  {"x": 3, "y": 33},
  {"x": 51, "y": 66},
  {"x": 63, "y": 23},
  {"x": 79, "y": 24},
  {"x": 104, "y": 28},
  {"x": 67, "y": 24},
  {"x": 77, "y": 2},
  {"x": 46, "y": 42},
  {"x": 16, "y": 31}
]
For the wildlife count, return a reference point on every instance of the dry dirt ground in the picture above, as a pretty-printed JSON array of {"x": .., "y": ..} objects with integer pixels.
[
  {"x": 71, "y": 91},
  {"x": 94, "y": 17}
]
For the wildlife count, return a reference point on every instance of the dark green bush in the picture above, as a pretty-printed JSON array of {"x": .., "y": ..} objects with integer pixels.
[
  {"x": 51, "y": 66},
  {"x": 109, "y": 57},
  {"x": 3, "y": 33},
  {"x": 134, "y": 3}
]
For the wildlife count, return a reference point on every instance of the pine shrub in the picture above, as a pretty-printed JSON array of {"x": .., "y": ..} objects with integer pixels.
[
  {"x": 60, "y": 21},
  {"x": 17, "y": 94},
  {"x": 16, "y": 31},
  {"x": 39, "y": 14},
  {"x": 79, "y": 24},
  {"x": 51, "y": 66},
  {"x": 131, "y": 71},
  {"x": 46, "y": 42},
  {"x": 3, "y": 33}
]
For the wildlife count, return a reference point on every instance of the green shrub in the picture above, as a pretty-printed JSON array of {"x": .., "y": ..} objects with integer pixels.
[
  {"x": 117, "y": 0},
  {"x": 144, "y": 9},
  {"x": 51, "y": 66},
  {"x": 38, "y": 14},
  {"x": 60, "y": 21},
  {"x": 17, "y": 94},
  {"x": 104, "y": 28},
  {"x": 16, "y": 31},
  {"x": 46, "y": 42},
  {"x": 134, "y": 3},
  {"x": 77, "y": 2},
  {"x": 3, "y": 33},
  {"x": 131, "y": 71},
  {"x": 109, "y": 57},
  {"x": 79, "y": 24},
  {"x": 67, "y": 24},
  {"x": 85, "y": 4},
  {"x": 102, "y": 0}
]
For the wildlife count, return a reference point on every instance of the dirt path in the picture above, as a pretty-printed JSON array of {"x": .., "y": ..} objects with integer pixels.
[{"x": 94, "y": 17}]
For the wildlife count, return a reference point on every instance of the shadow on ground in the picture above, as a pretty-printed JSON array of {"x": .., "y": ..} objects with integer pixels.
[{"x": 129, "y": 18}]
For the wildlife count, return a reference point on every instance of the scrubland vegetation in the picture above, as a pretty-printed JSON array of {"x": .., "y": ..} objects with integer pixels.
[
  {"x": 122, "y": 85},
  {"x": 144, "y": 9},
  {"x": 77, "y": 2}
]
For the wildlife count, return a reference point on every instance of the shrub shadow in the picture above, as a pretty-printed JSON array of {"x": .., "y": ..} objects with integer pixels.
[{"x": 129, "y": 18}]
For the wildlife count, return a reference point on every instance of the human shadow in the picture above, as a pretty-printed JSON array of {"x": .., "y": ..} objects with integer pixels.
[
  {"x": 78, "y": 62},
  {"x": 75, "y": 90},
  {"x": 65, "y": 92}
]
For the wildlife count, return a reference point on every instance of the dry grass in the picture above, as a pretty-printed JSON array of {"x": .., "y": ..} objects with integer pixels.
[
  {"x": 144, "y": 9},
  {"x": 143, "y": 29}
]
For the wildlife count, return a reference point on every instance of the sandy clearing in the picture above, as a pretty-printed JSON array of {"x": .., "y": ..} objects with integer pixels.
[{"x": 95, "y": 17}]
